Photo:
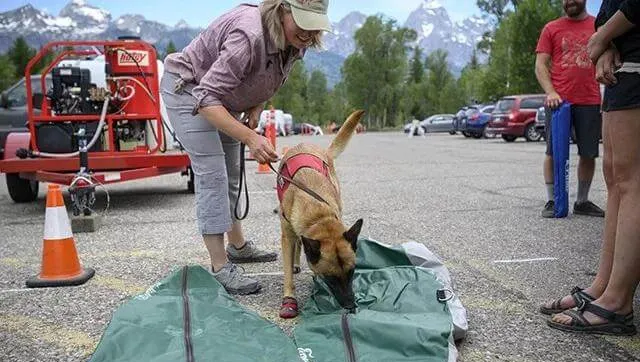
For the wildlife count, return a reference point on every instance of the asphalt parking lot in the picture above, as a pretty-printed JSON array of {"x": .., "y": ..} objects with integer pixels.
[{"x": 475, "y": 203}]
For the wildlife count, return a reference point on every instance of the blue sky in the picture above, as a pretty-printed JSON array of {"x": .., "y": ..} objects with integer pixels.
[{"x": 201, "y": 12}]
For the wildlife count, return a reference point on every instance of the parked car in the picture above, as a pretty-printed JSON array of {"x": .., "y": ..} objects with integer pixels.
[
  {"x": 515, "y": 116},
  {"x": 541, "y": 125},
  {"x": 477, "y": 120},
  {"x": 439, "y": 123},
  {"x": 541, "y": 118},
  {"x": 13, "y": 107}
]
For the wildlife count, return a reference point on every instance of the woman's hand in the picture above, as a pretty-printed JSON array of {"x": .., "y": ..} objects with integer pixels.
[
  {"x": 262, "y": 149},
  {"x": 606, "y": 66},
  {"x": 597, "y": 46}
]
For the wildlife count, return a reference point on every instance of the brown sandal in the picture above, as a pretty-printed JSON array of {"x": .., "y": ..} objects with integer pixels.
[{"x": 578, "y": 295}]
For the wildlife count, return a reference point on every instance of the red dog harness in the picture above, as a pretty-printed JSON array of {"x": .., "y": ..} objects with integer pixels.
[{"x": 293, "y": 165}]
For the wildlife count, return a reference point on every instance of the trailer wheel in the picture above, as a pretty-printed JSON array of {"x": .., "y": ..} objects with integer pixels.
[
  {"x": 190, "y": 183},
  {"x": 22, "y": 190}
]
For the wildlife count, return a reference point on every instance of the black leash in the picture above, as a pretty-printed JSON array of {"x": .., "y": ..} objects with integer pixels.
[{"x": 242, "y": 181}]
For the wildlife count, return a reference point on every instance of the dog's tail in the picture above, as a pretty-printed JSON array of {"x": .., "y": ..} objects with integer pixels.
[{"x": 344, "y": 134}]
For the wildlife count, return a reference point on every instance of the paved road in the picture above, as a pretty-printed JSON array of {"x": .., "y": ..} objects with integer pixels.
[{"x": 473, "y": 202}]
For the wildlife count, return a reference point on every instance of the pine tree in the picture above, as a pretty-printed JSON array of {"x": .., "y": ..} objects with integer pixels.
[{"x": 20, "y": 54}]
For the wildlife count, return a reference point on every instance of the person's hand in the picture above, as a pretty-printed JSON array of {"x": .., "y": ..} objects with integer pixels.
[
  {"x": 262, "y": 149},
  {"x": 607, "y": 65},
  {"x": 253, "y": 116},
  {"x": 553, "y": 100},
  {"x": 596, "y": 47}
]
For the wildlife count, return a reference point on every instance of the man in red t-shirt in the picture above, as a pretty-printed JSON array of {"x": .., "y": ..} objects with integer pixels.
[{"x": 566, "y": 73}]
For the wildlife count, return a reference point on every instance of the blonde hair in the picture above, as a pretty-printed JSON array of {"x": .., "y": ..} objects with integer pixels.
[{"x": 271, "y": 12}]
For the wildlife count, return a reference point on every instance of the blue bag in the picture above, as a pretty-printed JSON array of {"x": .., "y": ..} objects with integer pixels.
[{"x": 560, "y": 136}]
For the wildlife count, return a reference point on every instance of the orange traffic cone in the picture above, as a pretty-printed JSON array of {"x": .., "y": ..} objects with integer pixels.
[
  {"x": 60, "y": 264},
  {"x": 263, "y": 168}
]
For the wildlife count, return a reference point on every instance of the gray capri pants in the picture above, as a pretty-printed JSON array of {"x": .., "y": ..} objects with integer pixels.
[{"x": 215, "y": 158}]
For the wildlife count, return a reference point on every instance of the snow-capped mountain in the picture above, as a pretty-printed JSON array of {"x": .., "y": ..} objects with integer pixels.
[
  {"x": 433, "y": 27},
  {"x": 86, "y": 19},
  {"x": 80, "y": 20}
]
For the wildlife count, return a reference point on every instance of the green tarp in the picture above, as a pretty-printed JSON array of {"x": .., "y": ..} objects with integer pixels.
[{"x": 403, "y": 314}]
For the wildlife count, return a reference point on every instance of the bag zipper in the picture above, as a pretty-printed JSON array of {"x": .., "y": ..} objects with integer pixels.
[
  {"x": 186, "y": 315},
  {"x": 348, "y": 342}
]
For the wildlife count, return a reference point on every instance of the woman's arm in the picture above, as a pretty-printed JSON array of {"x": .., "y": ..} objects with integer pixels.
[{"x": 617, "y": 25}]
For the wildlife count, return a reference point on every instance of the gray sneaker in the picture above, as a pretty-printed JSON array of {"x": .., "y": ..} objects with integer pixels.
[
  {"x": 232, "y": 279},
  {"x": 249, "y": 253},
  {"x": 549, "y": 210}
]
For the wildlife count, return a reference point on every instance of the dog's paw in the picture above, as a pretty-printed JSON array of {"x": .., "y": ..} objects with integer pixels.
[
  {"x": 289, "y": 308},
  {"x": 296, "y": 269}
]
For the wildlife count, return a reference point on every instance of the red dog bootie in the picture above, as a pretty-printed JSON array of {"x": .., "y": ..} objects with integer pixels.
[{"x": 289, "y": 308}]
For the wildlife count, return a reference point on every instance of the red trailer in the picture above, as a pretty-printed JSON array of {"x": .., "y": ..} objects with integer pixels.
[{"x": 84, "y": 132}]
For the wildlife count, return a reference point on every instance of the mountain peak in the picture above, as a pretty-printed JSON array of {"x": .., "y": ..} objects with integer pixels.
[
  {"x": 431, "y": 4},
  {"x": 182, "y": 24}
]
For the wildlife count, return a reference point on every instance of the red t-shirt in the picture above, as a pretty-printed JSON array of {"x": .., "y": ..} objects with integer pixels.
[{"x": 572, "y": 74}]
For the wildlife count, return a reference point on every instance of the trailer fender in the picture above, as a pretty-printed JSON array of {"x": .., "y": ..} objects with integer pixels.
[{"x": 15, "y": 141}]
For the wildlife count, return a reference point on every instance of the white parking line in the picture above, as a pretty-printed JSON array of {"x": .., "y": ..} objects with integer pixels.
[
  {"x": 6, "y": 291},
  {"x": 273, "y": 273},
  {"x": 524, "y": 260}
]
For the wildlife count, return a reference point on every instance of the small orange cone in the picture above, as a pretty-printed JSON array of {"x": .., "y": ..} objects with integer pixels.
[
  {"x": 263, "y": 168},
  {"x": 60, "y": 264}
]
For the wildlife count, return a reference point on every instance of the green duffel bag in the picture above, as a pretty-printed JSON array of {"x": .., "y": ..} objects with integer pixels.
[{"x": 407, "y": 311}]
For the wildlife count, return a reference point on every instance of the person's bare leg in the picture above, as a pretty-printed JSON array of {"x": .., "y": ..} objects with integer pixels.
[
  {"x": 235, "y": 236},
  {"x": 586, "y": 169},
  {"x": 547, "y": 169},
  {"x": 601, "y": 280},
  {"x": 215, "y": 247},
  {"x": 625, "y": 274}
]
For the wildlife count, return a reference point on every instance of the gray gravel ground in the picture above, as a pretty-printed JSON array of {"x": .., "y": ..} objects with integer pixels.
[{"x": 473, "y": 202}]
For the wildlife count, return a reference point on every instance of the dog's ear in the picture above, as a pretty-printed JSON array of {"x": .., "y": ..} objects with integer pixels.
[
  {"x": 352, "y": 234},
  {"x": 311, "y": 250}
]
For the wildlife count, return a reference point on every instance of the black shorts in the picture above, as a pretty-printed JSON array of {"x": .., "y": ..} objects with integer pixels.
[
  {"x": 623, "y": 95},
  {"x": 586, "y": 125}
]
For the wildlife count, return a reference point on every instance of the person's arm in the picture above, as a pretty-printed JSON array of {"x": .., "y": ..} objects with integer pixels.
[
  {"x": 621, "y": 22},
  {"x": 544, "y": 50},
  {"x": 225, "y": 74}
]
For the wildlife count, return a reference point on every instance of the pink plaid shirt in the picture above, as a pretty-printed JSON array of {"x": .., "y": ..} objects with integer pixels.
[{"x": 234, "y": 62}]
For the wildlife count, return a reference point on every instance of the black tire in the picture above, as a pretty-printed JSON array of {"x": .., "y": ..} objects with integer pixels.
[
  {"x": 21, "y": 190},
  {"x": 509, "y": 138},
  {"x": 466, "y": 134},
  {"x": 191, "y": 183},
  {"x": 531, "y": 134},
  {"x": 477, "y": 135},
  {"x": 452, "y": 132}
]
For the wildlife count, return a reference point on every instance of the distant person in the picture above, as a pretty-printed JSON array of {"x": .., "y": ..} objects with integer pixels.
[
  {"x": 416, "y": 128},
  {"x": 233, "y": 67},
  {"x": 606, "y": 306},
  {"x": 565, "y": 73}
]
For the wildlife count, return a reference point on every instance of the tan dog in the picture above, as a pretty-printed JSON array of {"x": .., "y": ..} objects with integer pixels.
[{"x": 314, "y": 221}]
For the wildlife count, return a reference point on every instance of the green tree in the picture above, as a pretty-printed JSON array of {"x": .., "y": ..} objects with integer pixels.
[
  {"x": 291, "y": 97},
  {"x": 497, "y": 8},
  {"x": 416, "y": 67},
  {"x": 440, "y": 85},
  {"x": 171, "y": 48},
  {"x": 338, "y": 107},
  {"x": 375, "y": 73},
  {"x": 20, "y": 54},
  {"x": 7, "y": 72},
  {"x": 512, "y": 60},
  {"x": 317, "y": 98}
]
